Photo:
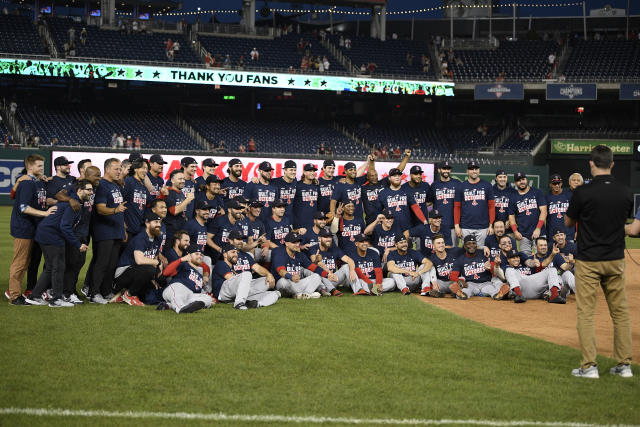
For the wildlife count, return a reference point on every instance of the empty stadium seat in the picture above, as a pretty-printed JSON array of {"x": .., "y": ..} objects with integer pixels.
[
  {"x": 603, "y": 60},
  {"x": 19, "y": 35}
]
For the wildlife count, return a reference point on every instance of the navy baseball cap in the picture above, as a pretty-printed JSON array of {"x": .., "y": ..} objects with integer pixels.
[
  {"x": 228, "y": 247},
  {"x": 501, "y": 172},
  {"x": 193, "y": 248},
  {"x": 444, "y": 165},
  {"x": 152, "y": 216},
  {"x": 235, "y": 234},
  {"x": 349, "y": 165},
  {"x": 254, "y": 203},
  {"x": 234, "y": 204},
  {"x": 346, "y": 201},
  {"x": 395, "y": 172},
  {"x": 279, "y": 203},
  {"x": 61, "y": 161},
  {"x": 234, "y": 162},
  {"x": 186, "y": 161},
  {"x": 400, "y": 237},
  {"x": 555, "y": 178},
  {"x": 518, "y": 176},
  {"x": 469, "y": 238},
  {"x": 435, "y": 214},
  {"x": 327, "y": 163},
  {"x": 512, "y": 254},
  {"x": 310, "y": 167},
  {"x": 388, "y": 213},
  {"x": 212, "y": 178},
  {"x": 265, "y": 166},
  {"x": 201, "y": 205},
  {"x": 209, "y": 163},
  {"x": 473, "y": 165},
  {"x": 157, "y": 158},
  {"x": 292, "y": 237},
  {"x": 361, "y": 238},
  {"x": 415, "y": 169},
  {"x": 133, "y": 157},
  {"x": 325, "y": 232},
  {"x": 557, "y": 231},
  {"x": 290, "y": 164},
  {"x": 319, "y": 215}
]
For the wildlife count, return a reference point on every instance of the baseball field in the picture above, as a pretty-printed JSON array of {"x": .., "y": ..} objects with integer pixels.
[{"x": 350, "y": 360}]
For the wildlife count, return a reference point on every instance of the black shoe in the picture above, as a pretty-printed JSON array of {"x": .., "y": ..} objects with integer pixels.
[
  {"x": 162, "y": 306},
  {"x": 558, "y": 300},
  {"x": 194, "y": 306},
  {"x": 565, "y": 291},
  {"x": 19, "y": 301},
  {"x": 519, "y": 298},
  {"x": 251, "y": 303},
  {"x": 435, "y": 294}
]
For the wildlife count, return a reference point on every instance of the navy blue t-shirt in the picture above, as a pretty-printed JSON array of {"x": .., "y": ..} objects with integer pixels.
[
  {"x": 234, "y": 189},
  {"x": 189, "y": 277},
  {"x": 197, "y": 233},
  {"x": 157, "y": 183},
  {"x": 171, "y": 255},
  {"x": 347, "y": 230},
  {"x": 367, "y": 263},
  {"x": 137, "y": 197},
  {"x": 310, "y": 238},
  {"x": 244, "y": 263},
  {"x": 526, "y": 208},
  {"x": 442, "y": 195},
  {"x": 557, "y": 208},
  {"x": 189, "y": 187},
  {"x": 174, "y": 221},
  {"x": 30, "y": 193},
  {"x": 263, "y": 193},
  {"x": 569, "y": 248},
  {"x": 425, "y": 234},
  {"x": 399, "y": 202},
  {"x": 523, "y": 258},
  {"x": 280, "y": 259},
  {"x": 81, "y": 228},
  {"x": 411, "y": 260},
  {"x": 331, "y": 258},
  {"x": 286, "y": 191},
  {"x": 108, "y": 227},
  {"x": 472, "y": 268},
  {"x": 352, "y": 192},
  {"x": 370, "y": 202},
  {"x": 382, "y": 239},
  {"x": 444, "y": 267},
  {"x": 220, "y": 270},
  {"x": 420, "y": 195},
  {"x": 221, "y": 229},
  {"x": 251, "y": 228},
  {"x": 57, "y": 183},
  {"x": 305, "y": 205},
  {"x": 492, "y": 243},
  {"x": 57, "y": 228},
  {"x": 325, "y": 189},
  {"x": 502, "y": 198},
  {"x": 276, "y": 231},
  {"x": 140, "y": 242},
  {"x": 474, "y": 208},
  {"x": 216, "y": 206}
]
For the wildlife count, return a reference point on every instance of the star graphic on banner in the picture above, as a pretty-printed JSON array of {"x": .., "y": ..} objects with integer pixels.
[
  {"x": 291, "y": 81},
  {"x": 138, "y": 73},
  {"x": 156, "y": 74},
  {"x": 323, "y": 83},
  {"x": 121, "y": 72},
  {"x": 307, "y": 82}
]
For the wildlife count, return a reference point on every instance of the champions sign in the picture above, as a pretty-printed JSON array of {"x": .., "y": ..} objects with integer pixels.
[
  {"x": 221, "y": 77},
  {"x": 499, "y": 91},
  {"x": 249, "y": 164}
]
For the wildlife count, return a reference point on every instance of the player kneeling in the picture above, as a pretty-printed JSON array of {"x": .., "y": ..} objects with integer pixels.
[
  {"x": 526, "y": 284},
  {"x": 184, "y": 292}
]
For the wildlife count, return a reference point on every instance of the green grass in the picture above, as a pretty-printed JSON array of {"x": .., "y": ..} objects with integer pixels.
[{"x": 363, "y": 357}]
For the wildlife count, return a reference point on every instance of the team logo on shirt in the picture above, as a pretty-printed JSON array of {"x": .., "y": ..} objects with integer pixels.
[
  {"x": 140, "y": 199},
  {"x": 196, "y": 278},
  {"x": 309, "y": 196},
  {"x": 201, "y": 239},
  {"x": 233, "y": 192},
  {"x": 366, "y": 267},
  {"x": 117, "y": 196},
  {"x": 473, "y": 195},
  {"x": 288, "y": 194},
  {"x": 326, "y": 190},
  {"x": 407, "y": 264},
  {"x": 372, "y": 195},
  {"x": 354, "y": 194},
  {"x": 421, "y": 198},
  {"x": 502, "y": 202},
  {"x": 151, "y": 252},
  {"x": 474, "y": 269},
  {"x": 444, "y": 194},
  {"x": 329, "y": 262},
  {"x": 279, "y": 233},
  {"x": 387, "y": 241},
  {"x": 527, "y": 205},
  {"x": 186, "y": 190},
  {"x": 558, "y": 209},
  {"x": 242, "y": 265},
  {"x": 266, "y": 196},
  {"x": 444, "y": 270},
  {"x": 293, "y": 268},
  {"x": 351, "y": 230},
  {"x": 397, "y": 201}
]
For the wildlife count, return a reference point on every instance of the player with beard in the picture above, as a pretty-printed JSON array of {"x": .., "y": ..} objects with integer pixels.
[
  {"x": 233, "y": 185},
  {"x": 424, "y": 233},
  {"x": 527, "y": 206},
  {"x": 373, "y": 186},
  {"x": 263, "y": 191},
  {"x": 409, "y": 269},
  {"x": 223, "y": 225},
  {"x": 326, "y": 183},
  {"x": 254, "y": 231},
  {"x": 502, "y": 192},
  {"x": 557, "y": 204},
  {"x": 139, "y": 265},
  {"x": 419, "y": 190},
  {"x": 350, "y": 189},
  {"x": 177, "y": 203},
  {"x": 181, "y": 241},
  {"x": 472, "y": 274},
  {"x": 329, "y": 256},
  {"x": 565, "y": 262},
  {"x": 491, "y": 243},
  {"x": 474, "y": 210},
  {"x": 60, "y": 180},
  {"x": 305, "y": 203},
  {"x": 286, "y": 187},
  {"x": 501, "y": 261},
  {"x": 399, "y": 201},
  {"x": 442, "y": 194}
]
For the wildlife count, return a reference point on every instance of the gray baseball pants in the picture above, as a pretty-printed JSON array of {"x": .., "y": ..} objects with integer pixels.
[
  {"x": 388, "y": 284},
  {"x": 483, "y": 289},
  {"x": 343, "y": 279},
  {"x": 414, "y": 284},
  {"x": 178, "y": 295},
  {"x": 568, "y": 278},
  {"x": 307, "y": 285},
  {"x": 481, "y": 235},
  {"x": 242, "y": 287},
  {"x": 535, "y": 285}
]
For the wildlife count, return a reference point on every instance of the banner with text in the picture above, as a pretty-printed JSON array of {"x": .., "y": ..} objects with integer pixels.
[
  {"x": 584, "y": 146},
  {"x": 629, "y": 92},
  {"x": 221, "y": 77},
  {"x": 249, "y": 164},
  {"x": 572, "y": 91},
  {"x": 499, "y": 91}
]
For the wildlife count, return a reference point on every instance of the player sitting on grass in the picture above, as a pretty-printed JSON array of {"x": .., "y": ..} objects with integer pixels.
[
  {"x": 526, "y": 283},
  {"x": 369, "y": 270},
  {"x": 184, "y": 292},
  {"x": 442, "y": 260},
  {"x": 472, "y": 274},
  {"x": 409, "y": 269}
]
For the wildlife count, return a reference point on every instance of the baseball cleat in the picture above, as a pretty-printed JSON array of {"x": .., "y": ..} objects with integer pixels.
[
  {"x": 406, "y": 291},
  {"x": 315, "y": 295},
  {"x": 190, "y": 308},
  {"x": 131, "y": 299},
  {"x": 519, "y": 299},
  {"x": 324, "y": 292},
  {"x": 455, "y": 289},
  {"x": 35, "y": 301},
  {"x": 557, "y": 300},
  {"x": 116, "y": 298},
  {"x": 622, "y": 370},
  {"x": 425, "y": 291},
  {"x": 361, "y": 292},
  {"x": 163, "y": 306},
  {"x": 7, "y": 295},
  {"x": 336, "y": 293},
  {"x": 434, "y": 293},
  {"x": 27, "y": 293},
  {"x": 241, "y": 306},
  {"x": 252, "y": 303},
  {"x": 301, "y": 296},
  {"x": 60, "y": 303},
  {"x": 503, "y": 292},
  {"x": 590, "y": 372}
]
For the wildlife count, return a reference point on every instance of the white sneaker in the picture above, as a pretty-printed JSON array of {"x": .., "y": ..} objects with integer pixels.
[
  {"x": 315, "y": 295},
  {"x": 7, "y": 295},
  {"x": 98, "y": 299},
  {"x": 35, "y": 301},
  {"x": 47, "y": 295},
  {"x": 622, "y": 370},
  {"x": 85, "y": 291},
  {"x": 301, "y": 296},
  {"x": 73, "y": 299},
  {"x": 60, "y": 303},
  {"x": 590, "y": 372}
]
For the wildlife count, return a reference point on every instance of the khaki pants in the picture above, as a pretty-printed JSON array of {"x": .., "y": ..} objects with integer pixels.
[
  {"x": 19, "y": 265},
  {"x": 591, "y": 275}
]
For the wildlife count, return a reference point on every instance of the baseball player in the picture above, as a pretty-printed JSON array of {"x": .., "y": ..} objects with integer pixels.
[
  {"x": 383, "y": 232},
  {"x": 286, "y": 187},
  {"x": 328, "y": 256},
  {"x": 474, "y": 208},
  {"x": 526, "y": 283},
  {"x": 263, "y": 190},
  {"x": 180, "y": 243},
  {"x": 212, "y": 195},
  {"x": 288, "y": 264},
  {"x": 442, "y": 194},
  {"x": 305, "y": 203},
  {"x": 500, "y": 260},
  {"x": 527, "y": 213},
  {"x": 223, "y": 225},
  {"x": 199, "y": 235},
  {"x": 208, "y": 169},
  {"x": 136, "y": 196},
  {"x": 233, "y": 185},
  {"x": 565, "y": 262},
  {"x": 442, "y": 260},
  {"x": 184, "y": 293},
  {"x": 419, "y": 191},
  {"x": 278, "y": 225},
  {"x": 177, "y": 203},
  {"x": 369, "y": 270},
  {"x": 311, "y": 238},
  {"x": 60, "y": 180},
  {"x": 396, "y": 199},
  {"x": 502, "y": 193},
  {"x": 326, "y": 184},
  {"x": 351, "y": 190},
  {"x": 254, "y": 231},
  {"x": 558, "y": 203},
  {"x": 189, "y": 167},
  {"x": 565, "y": 246},
  {"x": 472, "y": 274},
  {"x": 156, "y": 164},
  {"x": 491, "y": 243},
  {"x": 240, "y": 288},
  {"x": 370, "y": 191},
  {"x": 409, "y": 269},
  {"x": 346, "y": 226},
  {"x": 424, "y": 233}
]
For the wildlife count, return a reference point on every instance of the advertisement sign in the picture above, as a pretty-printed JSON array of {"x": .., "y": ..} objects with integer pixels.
[
  {"x": 220, "y": 77},
  {"x": 499, "y": 91},
  {"x": 250, "y": 164},
  {"x": 572, "y": 91},
  {"x": 9, "y": 172},
  {"x": 584, "y": 146},
  {"x": 629, "y": 92}
]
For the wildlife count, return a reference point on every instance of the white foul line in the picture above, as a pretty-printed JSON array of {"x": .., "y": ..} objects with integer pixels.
[{"x": 43, "y": 412}]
